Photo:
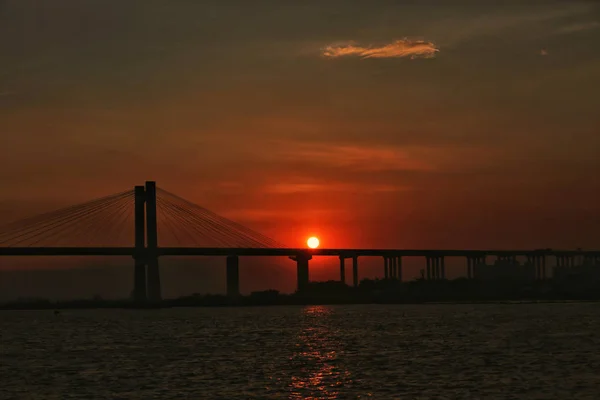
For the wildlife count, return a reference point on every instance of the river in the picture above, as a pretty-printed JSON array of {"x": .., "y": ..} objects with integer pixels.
[{"x": 524, "y": 351}]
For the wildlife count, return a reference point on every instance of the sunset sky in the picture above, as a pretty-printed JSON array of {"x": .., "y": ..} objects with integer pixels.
[{"x": 367, "y": 123}]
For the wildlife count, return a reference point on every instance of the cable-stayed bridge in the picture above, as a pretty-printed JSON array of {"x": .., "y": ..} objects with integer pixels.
[{"x": 130, "y": 223}]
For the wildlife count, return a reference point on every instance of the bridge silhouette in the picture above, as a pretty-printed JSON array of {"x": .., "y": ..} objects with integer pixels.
[{"x": 130, "y": 223}]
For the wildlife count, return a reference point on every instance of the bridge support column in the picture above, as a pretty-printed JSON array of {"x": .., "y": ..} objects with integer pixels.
[
  {"x": 399, "y": 269},
  {"x": 233, "y": 276},
  {"x": 355, "y": 271},
  {"x": 428, "y": 258},
  {"x": 139, "y": 274},
  {"x": 543, "y": 261},
  {"x": 394, "y": 268},
  {"x": 540, "y": 266},
  {"x": 343, "y": 269},
  {"x": 154, "y": 290},
  {"x": 386, "y": 271},
  {"x": 302, "y": 271},
  {"x": 436, "y": 268},
  {"x": 472, "y": 262}
]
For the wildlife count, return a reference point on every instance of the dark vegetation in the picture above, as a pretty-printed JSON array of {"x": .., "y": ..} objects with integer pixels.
[{"x": 368, "y": 292}]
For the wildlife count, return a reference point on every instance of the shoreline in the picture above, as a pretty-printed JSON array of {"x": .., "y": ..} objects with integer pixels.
[{"x": 168, "y": 304}]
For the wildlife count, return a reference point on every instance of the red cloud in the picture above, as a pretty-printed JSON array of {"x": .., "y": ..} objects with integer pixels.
[{"x": 399, "y": 48}]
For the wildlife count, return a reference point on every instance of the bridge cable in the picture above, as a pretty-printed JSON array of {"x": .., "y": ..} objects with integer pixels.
[
  {"x": 177, "y": 220},
  {"x": 219, "y": 231},
  {"x": 81, "y": 228},
  {"x": 267, "y": 242},
  {"x": 184, "y": 217},
  {"x": 111, "y": 226},
  {"x": 33, "y": 231},
  {"x": 59, "y": 216},
  {"x": 49, "y": 216},
  {"x": 90, "y": 227},
  {"x": 239, "y": 230},
  {"x": 66, "y": 224}
]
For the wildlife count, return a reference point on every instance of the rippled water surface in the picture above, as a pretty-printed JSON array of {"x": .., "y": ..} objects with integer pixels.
[{"x": 546, "y": 351}]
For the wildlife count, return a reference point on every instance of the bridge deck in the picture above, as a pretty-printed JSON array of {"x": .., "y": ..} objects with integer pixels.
[{"x": 284, "y": 252}]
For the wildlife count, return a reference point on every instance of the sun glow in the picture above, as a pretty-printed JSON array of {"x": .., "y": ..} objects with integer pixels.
[{"x": 313, "y": 242}]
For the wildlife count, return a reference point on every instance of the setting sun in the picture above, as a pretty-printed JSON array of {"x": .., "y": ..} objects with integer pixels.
[{"x": 313, "y": 242}]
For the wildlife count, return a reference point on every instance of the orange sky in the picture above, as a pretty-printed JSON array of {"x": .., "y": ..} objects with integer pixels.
[{"x": 370, "y": 125}]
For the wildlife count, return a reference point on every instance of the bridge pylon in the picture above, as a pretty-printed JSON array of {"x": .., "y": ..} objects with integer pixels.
[
  {"x": 154, "y": 290},
  {"x": 139, "y": 280},
  {"x": 146, "y": 270}
]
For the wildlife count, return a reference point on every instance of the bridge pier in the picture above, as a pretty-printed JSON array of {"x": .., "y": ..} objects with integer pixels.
[
  {"x": 154, "y": 290},
  {"x": 302, "y": 271},
  {"x": 436, "y": 267},
  {"x": 473, "y": 261},
  {"x": 343, "y": 269},
  {"x": 565, "y": 260},
  {"x": 355, "y": 271},
  {"x": 470, "y": 262},
  {"x": 139, "y": 277},
  {"x": 393, "y": 267},
  {"x": 399, "y": 268},
  {"x": 233, "y": 276},
  {"x": 386, "y": 267},
  {"x": 591, "y": 260},
  {"x": 540, "y": 266}
]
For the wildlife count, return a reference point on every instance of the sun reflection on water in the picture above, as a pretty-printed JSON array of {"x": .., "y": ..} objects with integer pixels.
[{"x": 318, "y": 348}]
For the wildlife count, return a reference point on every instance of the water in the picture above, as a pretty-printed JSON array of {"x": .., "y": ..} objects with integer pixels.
[{"x": 546, "y": 351}]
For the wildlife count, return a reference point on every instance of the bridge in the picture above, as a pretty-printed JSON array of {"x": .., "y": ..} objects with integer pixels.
[{"x": 141, "y": 215}]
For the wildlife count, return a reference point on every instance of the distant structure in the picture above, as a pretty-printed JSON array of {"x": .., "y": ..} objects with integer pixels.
[
  {"x": 75, "y": 230},
  {"x": 507, "y": 268},
  {"x": 581, "y": 268}
]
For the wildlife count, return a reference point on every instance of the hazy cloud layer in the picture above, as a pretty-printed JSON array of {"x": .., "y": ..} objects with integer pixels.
[
  {"x": 198, "y": 92},
  {"x": 292, "y": 188},
  {"x": 399, "y": 48},
  {"x": 580, "y": 27}
]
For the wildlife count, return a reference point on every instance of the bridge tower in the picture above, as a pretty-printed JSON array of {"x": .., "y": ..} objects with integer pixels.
[
  {"x": 139, "y": 280},
  {"x": 146, "y": 270},
  {"x": 154, "y": 291}
]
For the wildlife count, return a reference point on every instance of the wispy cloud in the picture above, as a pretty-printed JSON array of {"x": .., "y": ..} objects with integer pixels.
[
  {"x": 363, "y": 158},
  {"x": 381, "y": 158},
  {"x": 291, "y": 188},
  {"x": 580, "y": 27},
  {"x": 260, "y": 214},
  {"x": 399, "y": 48}
]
